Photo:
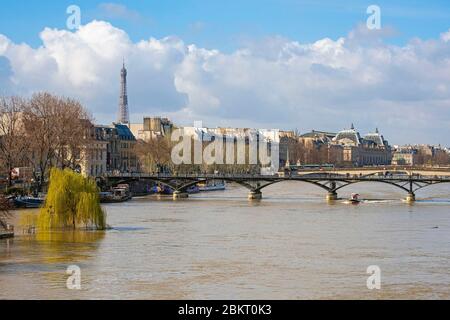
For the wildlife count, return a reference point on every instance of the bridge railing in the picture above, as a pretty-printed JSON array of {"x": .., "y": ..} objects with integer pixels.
[{"x": 312, "y": 176}]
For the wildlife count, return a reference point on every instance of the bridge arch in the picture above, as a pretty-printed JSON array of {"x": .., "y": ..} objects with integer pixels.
[
  {"x": 320, "y": 185},
  {"x": 420, "y": 187},
  {"x": 161, "y": 181},
  {"x": 330, "y": 182},
  {"x": 379, "y": 181},
  {"x": 244, "y": 184}
]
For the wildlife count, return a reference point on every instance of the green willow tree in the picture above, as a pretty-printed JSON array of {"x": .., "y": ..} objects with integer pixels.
[{"x": 72, "y": 201}]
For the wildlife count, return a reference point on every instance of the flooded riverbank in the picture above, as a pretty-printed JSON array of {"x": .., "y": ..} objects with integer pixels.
[{"x": 291, "y": 245}]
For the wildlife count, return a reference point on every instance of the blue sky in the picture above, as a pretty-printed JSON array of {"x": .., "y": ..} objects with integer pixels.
[
  {"x": 288, "y": 64},
  {"x": 225, "y": 25}
]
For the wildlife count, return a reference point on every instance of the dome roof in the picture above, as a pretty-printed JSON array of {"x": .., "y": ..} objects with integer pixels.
[
  {"x": 376, "y": 138},
  {"x": 345, "y": 136},
  {"x": 352, "y": 137}
]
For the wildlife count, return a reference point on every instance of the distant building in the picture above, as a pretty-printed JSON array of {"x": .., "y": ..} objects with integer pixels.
[
  {"x": 433, "y": 152},
  {"x": 318, "y": 148},
  {"x": 405, "y": 156},
  {"x": 318, "y": 135},
  {"x": 151, "y": 128},
  {"x": 345, "y": 148},
  {"x": 93, "y": 157},
  {"x": 372, "y": 149},
  {"x": 238, "y": 137},
  {"x": 126, "y": 141},
  {"x": 422, "y": 155},
  {"x": 119, "y": 153},
  {"x": 110, "y": 135},
  {"x": 288, "y": 140},
  {"x": 237, "y": 133}
]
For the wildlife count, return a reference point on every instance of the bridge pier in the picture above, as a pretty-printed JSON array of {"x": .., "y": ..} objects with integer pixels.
[
  {"x": 180, "y": 195},
  {"x": 332, "y": 196},
  {"x": 255, "y": 195},
  {"x": 411, "y": 197}
]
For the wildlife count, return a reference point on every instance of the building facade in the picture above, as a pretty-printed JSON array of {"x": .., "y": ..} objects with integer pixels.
[
  {"x": 152, "y": 128},
  {"x": 405, "y": 156},
  {"x": 119, "y": 142},
  {"x": 127, "y": 161},
  {"x": 93, "y": 159},
  {"x": 345, "y": 148},
  {"x": 421, "y": 155},
  {"x": 317, "y": 148},
  {"x": 370, "y": 150}
]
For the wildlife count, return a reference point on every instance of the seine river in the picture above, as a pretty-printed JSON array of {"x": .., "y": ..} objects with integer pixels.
[{"x": 290, "y": 245}]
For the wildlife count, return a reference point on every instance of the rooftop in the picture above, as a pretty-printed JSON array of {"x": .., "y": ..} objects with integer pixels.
[
  {"x": 124, "y": 131},
  {"x": 315, "y": 134},
  {"x": 349, "y": 134}
]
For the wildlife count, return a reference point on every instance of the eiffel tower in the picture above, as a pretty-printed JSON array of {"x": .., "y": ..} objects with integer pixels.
[{"x": 124, "y": 116}]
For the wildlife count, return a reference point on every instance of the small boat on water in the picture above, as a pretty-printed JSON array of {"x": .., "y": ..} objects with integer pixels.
[
  {"x": 212, "y": 185},
  {"x": 6, "y": 234},
  {"x": 354, "y": 199},
  {"x": 121, "y": 193},
  {"x": 28, "y": 202}
]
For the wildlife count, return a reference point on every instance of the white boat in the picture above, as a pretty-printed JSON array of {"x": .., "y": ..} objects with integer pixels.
[
  {"x": 354, "y": 198},
  {"x": 212, "y": 185}
]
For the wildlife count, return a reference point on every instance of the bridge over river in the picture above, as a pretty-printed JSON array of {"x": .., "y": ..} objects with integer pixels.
[{"x": 408, "y": 180}]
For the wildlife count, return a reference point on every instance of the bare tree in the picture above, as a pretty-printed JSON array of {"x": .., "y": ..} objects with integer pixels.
[
  {"x": 57, "y": 129},
  {"x": 13, "y": 145},
  {"x": 443, "y": 158},
  {"x": 39, "y": 122},
  {"x": 73, "y": 132},
  {"x": 154, "y": 153}
]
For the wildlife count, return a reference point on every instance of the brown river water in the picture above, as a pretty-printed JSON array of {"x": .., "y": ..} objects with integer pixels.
[{"x": 291, "y": 245}]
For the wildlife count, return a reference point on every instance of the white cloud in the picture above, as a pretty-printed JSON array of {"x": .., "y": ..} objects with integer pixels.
[
  {"x": 404, "y": 90},
  {"x": 4, "y": 44},
  {"x": 445, "y": 36}
]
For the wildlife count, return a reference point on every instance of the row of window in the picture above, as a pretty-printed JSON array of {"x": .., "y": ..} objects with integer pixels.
[
  {"x": 97, "y": 170},
  {"x": 97, "y": 154}
]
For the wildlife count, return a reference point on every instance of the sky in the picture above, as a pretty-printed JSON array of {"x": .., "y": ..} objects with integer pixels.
[{"x": 288, "y": 64}]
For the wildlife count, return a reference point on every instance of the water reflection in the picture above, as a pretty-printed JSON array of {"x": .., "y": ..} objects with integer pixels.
[{"x": 50, "y": 247}]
